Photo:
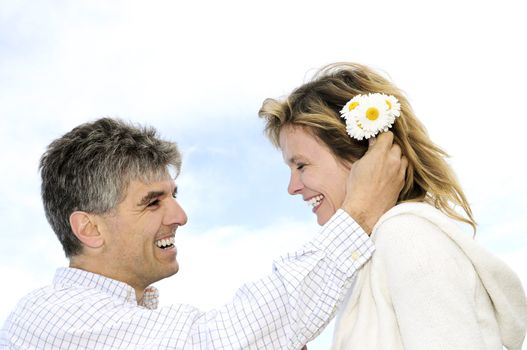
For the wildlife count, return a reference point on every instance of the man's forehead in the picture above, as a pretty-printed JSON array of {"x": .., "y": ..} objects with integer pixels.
[{"x": 140, "y": 187}]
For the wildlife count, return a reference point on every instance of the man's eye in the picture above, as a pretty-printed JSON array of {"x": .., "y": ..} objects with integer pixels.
[
  {"x": 153, "y": 203},
  {"x": 300, "y": 166}
]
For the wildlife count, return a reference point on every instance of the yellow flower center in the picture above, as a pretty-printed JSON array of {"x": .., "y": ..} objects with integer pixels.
[
  {"x": 353, "y": 105},
  {"x": 389, "y": 104},
  {"x": 372, "y": 113}
]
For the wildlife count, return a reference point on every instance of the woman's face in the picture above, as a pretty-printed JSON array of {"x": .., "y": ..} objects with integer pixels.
[{"x": 316, "y": 174}]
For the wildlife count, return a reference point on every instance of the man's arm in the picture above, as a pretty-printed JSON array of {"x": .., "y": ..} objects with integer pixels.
[{"x": 292, "y": 305}]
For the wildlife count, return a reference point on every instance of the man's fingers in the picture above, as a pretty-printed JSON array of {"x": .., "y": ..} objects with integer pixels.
[
  {"x": 395, "y": 151},
  {"x": 397, "y": 158},
  {"x": 383, "y": 141}
]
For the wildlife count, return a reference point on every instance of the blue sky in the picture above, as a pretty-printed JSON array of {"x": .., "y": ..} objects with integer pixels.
[{"x": 199, "y": 73}]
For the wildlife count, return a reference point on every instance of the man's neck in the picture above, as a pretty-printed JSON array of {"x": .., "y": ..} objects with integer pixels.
[{"x": 79, "y": 262}]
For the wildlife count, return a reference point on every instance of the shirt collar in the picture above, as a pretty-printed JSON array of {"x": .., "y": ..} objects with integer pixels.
[{"x": 67, "y": 276}]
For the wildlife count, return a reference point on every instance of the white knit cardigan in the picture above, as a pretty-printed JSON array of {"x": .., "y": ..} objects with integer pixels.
[{"x": 431, "y": 286}]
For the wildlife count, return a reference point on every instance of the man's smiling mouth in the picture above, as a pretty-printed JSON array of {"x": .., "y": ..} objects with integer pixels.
[{"x": 165, "y": 243}]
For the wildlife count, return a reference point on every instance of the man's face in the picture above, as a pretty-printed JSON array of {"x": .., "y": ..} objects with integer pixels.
[{"x": 139, "y": 235}]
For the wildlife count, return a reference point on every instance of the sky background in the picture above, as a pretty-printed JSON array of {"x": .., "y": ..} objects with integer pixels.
[{"x": 198, "y": 71}]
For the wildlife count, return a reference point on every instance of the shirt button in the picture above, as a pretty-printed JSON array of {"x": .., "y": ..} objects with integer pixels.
[{"x": 355, "y": 255}]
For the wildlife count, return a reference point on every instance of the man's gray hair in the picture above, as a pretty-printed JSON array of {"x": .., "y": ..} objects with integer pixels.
[{"x": 90, "y": 167}]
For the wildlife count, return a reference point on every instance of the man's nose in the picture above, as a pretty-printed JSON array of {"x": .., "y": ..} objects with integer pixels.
[{"x": 175, "y": 214}]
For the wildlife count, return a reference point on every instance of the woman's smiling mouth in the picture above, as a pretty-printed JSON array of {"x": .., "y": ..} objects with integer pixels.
[{"x": 315, "y": 201}]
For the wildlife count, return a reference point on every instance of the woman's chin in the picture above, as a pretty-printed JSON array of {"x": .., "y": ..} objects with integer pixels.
[{"x": 323, "y": 217}]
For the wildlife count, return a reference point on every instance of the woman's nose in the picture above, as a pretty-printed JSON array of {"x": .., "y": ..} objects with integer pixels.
[{"x": 295, "y": 184}]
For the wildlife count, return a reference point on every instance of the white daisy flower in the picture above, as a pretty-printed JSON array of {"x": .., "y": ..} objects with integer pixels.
[
  {"x": 393, "y": 105},
  {"x": 351, "y": 105},
  {"x": 367, "y": 115}
]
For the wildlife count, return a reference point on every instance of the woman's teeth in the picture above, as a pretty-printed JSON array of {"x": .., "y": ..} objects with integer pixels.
[{"x": 315, "y": 200}]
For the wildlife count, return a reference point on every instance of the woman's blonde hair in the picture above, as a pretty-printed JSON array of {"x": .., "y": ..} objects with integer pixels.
[{"x": 316, "y": 106}]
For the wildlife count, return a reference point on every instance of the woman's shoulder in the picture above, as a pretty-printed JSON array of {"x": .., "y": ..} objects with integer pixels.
[
  {"x": 410, "y": 211},
  {"x": 410, "y": 217},
  {"x": 416, "y": 228}
]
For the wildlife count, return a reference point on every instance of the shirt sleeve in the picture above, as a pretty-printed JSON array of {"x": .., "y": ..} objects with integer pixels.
[
  {"x": 292, "y": 305},
  {"x": 432, "y": 285}
]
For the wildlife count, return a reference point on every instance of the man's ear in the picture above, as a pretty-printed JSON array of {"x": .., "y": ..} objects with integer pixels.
[{"x": 83, "y": 226}]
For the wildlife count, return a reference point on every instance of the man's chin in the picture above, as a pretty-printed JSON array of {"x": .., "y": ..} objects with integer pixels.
[
  {"x": 168, "y": 272},
  {"x": 173, "y": 271}
]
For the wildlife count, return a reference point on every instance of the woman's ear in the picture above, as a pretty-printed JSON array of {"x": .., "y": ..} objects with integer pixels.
[{"x": 83, "y": 226}]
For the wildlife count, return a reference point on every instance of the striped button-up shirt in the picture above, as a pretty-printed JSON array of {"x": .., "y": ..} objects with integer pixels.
[{"x": 286, "y": 309}]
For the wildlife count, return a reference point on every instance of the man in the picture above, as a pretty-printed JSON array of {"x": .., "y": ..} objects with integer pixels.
[{"x": 110, "y": 197}]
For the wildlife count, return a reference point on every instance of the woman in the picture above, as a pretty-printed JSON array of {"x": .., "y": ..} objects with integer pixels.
[{"x": 429, "y": 285}]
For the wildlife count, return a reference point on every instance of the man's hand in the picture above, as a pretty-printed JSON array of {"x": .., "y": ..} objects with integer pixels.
[{"x": 375, "y": 181}]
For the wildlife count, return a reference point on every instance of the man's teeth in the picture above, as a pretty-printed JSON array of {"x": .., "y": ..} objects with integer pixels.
[
  {"x": 315, "y": 200},
  {"x": 165, "y": 243}
]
